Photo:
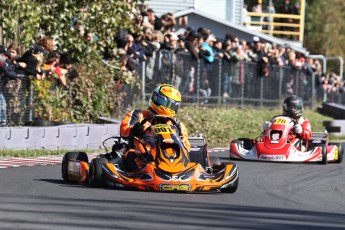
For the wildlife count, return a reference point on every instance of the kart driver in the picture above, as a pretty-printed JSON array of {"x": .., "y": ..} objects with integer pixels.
[
  {"x": 293, "y": 108},
  {"x": 165, "y": 100}
]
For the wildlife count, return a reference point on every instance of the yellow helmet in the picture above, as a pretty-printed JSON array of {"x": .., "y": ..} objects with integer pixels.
[{"x": 165, "y": 100}]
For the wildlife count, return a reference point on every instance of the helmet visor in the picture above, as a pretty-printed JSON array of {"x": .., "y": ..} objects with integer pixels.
[{"x": 160, "y": 100}]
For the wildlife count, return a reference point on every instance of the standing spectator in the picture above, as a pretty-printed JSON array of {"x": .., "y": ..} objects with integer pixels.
[
  {"x": 15, "y": 89},
  {"x": 33, "y": 58},
  {"x": 14, "y": 51},
  {"x": 269, "y": 19},
  {"x": 168, "y": 57},
  {"x": 257, "y": 9},
  {"x": 6, "y": 73},
  {"x": 206, "y": 49},
  {"x": 152, "y": 64},
  {"x": 259, "y": 56},
  {"x": 169, "y": 22},
  {"x": 134, "y": 49},
  {"x": 191, "y": 44},
  {"x": 47, "y": 43},
  {"x": 53, "y": 65},
  {"x": 90, "y": 37},
  {"x": 154, "y": 20},
  {"x": 170, "y": 42},
  {"x": 217, "y": 48},
  {"x": 285, "y": 8}
]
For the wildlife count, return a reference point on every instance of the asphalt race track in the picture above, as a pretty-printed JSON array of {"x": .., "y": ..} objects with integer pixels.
[{"x": 270, "y": 196}]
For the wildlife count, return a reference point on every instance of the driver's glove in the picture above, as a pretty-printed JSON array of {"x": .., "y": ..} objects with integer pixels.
[
  {"x": 137, "y": 130},
  {"x": 298, "y": 129},
  {"x": 266, "y": 125}
]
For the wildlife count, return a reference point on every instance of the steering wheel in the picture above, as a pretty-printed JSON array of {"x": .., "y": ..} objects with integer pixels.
[{"x": 161, "y": 119}]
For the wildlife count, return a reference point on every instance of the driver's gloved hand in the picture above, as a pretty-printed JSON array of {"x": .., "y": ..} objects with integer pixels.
[
  {"x": 137, "y": 130},
  {"x": 266, "y": 125},
  {"x": 298, "y": 129}
]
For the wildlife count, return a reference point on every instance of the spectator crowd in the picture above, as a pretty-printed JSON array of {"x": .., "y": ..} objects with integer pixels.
[
  {"x": 155, "y": 35},
  {"x": 41, "y": 61},
  {"x": 159, "y": 34}
]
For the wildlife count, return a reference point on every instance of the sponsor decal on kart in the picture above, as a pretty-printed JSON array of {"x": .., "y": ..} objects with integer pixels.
[
  {"x": 174, "y": 187},
  {"x": 281, "y": 120},
  {"x": 272, "y": 157},
  {"x": 161, "y": 129},
  {"x": 316, "y": 141}
]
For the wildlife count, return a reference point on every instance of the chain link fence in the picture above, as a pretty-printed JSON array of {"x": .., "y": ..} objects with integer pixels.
[{"x": 229, "y": 83}]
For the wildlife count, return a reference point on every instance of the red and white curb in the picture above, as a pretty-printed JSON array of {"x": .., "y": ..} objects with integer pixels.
[
  {"x": 30, "y": 161},
  {"x": 33, "y": 161},
  {"x": 53, "y": 160}
]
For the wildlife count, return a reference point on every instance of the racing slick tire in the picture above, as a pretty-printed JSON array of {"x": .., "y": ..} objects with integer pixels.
[
  {"x": 232, "y": 188},
  {"x": 81, "y": 156},
  {"x": 95, "y": 172},
  {"x": 324, "y": 154},
  {"x": 341, "y": 148}
]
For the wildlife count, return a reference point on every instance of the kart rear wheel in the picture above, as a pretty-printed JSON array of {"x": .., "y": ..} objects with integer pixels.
[
  {"x": 81, "y": 156},
  {"x": 324, "y": 154},
  {"x": 341, "y": 148},
  {"x": 95, "y": 172},
  {"x": 232, "y": 188}
]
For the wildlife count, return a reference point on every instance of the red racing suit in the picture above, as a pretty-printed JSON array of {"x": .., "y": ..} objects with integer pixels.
[
  {"x": 306, "y": 131},
  {"x": 132, "y": 117}
]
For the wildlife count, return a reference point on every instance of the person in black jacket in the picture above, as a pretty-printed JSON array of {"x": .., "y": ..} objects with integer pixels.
[
  {"x": 33, "y": 58},
  {"x": 6, "y": 73}
]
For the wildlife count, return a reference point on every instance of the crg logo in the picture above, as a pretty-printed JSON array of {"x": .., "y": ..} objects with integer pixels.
[
  {"x": 174, "y": 187},
  {"x": 272, "y": 158}
]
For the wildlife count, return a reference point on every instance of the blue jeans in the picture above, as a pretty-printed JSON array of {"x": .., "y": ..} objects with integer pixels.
[
  {"x": 227, "y": 81},
  {"x": 3, "y": 115}
]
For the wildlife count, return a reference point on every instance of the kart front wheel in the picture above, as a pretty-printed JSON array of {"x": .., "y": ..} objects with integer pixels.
[
  {"x": 324, "y": 154},
  {"x": 71, "y": 156},
  {"x": 95, "y": 172},
  {"x": 341, "y": 149},
  {"x": 232, "y": 188}
]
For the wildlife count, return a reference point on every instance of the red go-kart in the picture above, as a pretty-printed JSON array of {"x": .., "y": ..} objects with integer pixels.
[{"x": 274, "y": 145}]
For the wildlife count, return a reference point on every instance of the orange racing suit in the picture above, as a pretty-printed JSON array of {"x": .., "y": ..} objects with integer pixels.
[{"x": 136, "y": 116}]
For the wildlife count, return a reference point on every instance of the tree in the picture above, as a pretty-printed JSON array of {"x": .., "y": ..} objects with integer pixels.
[
  {"x": 23, "y": 20},
  {"x": 324, "y": 28}
]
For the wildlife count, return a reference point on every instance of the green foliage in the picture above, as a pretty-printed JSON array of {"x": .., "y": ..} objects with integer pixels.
[
  {"x": 50, "y": 102},
  {"x": 324, "y": 29},
  {"x": 96, "y": 93},
  {"x": 66, "y": 20}
]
